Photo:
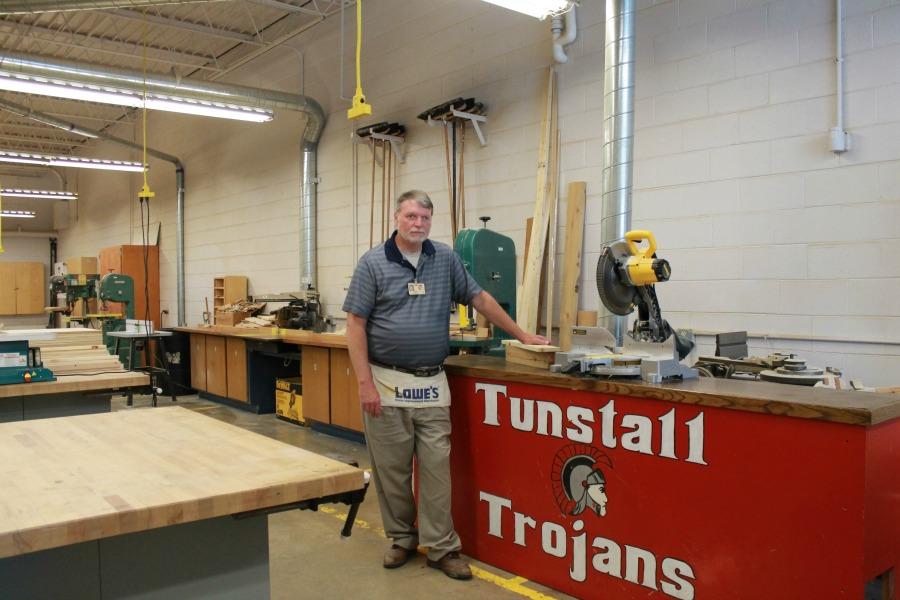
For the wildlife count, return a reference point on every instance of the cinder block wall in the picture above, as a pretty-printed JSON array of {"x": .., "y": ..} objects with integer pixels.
[
  {"x": 765, "y": 228},
  {"x": 768, "y": 230}
]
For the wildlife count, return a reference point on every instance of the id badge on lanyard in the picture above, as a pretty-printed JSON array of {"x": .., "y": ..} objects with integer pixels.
[{"x": 416, "y": 288}]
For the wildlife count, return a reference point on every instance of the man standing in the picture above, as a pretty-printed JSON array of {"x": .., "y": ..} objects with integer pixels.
[{"x": 398, "y": 314}]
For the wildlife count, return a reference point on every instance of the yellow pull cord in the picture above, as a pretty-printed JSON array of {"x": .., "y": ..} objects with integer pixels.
[
  {"x": 358, "y": 47},
  {"x": 145, "y": 193},
  {"x": 359, "y": 107}
]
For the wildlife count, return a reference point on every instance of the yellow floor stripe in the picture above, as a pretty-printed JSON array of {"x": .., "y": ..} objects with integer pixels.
[{"x": 512, "y": 584}]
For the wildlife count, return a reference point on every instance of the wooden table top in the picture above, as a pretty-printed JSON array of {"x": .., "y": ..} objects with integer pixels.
[
  {"x": 854, "y": 408},
  {"x": 300, "y": 337},
  {"x": 74, "y": 479},
  {"x": 76, "y": 383}
]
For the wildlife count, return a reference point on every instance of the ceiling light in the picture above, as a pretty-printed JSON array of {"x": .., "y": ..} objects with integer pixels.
[
  {"x": 539, "y": 9},
  {"x": 8, "y": 156},
  {"x": 42, "y": 86},
  {"x": 21, "y": 214},
  {"x": 48, "y": 194}
]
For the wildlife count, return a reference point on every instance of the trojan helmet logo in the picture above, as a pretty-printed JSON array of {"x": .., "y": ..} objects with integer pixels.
[{"x": 579, "y": 481}]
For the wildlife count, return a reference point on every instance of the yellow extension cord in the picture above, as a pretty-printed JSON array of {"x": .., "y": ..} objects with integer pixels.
[{"x": 359, "y": 108}]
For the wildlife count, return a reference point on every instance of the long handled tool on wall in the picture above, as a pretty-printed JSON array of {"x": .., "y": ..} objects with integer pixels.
[
  {"x": 453, "y": 116},
  {"x": 386, "y": 141}
]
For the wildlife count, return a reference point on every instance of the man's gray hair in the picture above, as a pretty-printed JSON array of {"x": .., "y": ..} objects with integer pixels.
[{"x": 418, "y": 196}]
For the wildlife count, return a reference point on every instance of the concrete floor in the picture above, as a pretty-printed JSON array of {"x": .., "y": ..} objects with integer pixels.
[{"x": 307, "y": 555}]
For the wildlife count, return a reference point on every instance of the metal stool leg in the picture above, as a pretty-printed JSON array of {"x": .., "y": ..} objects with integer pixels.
[{"x": 164, "y": 362}]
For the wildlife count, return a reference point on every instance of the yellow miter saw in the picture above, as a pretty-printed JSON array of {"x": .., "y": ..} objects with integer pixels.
[{"x": 626, "y": 275}]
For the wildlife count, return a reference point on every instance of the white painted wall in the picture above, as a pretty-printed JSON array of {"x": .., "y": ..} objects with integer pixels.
[{"x": 766, "y": 230}]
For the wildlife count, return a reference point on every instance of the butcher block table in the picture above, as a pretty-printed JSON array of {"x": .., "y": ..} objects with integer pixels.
[
  {"x": 68, "y": 395},
  {"x": 149, "y": 503}
]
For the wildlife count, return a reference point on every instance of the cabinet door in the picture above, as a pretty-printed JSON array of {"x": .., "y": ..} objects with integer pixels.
[
  {"x": 235, "y": 289},
  {"x": 30, "y": 288},
  {"x": 198, "y": 362},
  {"x": 345, "y": 409},
  {"x": 237, "y": 368},
  {"x": 314, "y": 369},
  {"x": 216, "y": 366},
  {"x": 7, "y": 288}
]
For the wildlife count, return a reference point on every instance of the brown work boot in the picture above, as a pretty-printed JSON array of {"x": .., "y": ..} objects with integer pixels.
[
  {"x": 452, "y": 565},
  {"x": 396, "y": 556}
]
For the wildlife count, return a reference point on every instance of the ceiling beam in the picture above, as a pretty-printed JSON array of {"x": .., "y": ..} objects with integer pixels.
[
  {"x": 277, "y": 4},
  {"x": 30, "y": 7},
  {"x": 224, "y": 34},
  {"x": 81, "y": 41}
]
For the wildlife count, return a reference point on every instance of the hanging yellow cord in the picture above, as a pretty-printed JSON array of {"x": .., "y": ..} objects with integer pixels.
[
  {"x": 359, "y": 108},
  {"x": 145, "y": 193}
]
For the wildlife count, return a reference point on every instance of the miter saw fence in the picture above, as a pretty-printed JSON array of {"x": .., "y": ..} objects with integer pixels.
[{"x": 626, "y": 274}]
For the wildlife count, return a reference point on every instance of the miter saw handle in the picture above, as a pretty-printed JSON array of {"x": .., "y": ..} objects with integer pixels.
[{"x": 633, "y": 238}]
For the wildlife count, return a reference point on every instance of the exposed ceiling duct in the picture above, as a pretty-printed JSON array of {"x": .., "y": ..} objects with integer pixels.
[
  {"x": 119, "y": 79},
  {"x": 27, "y": 7}
]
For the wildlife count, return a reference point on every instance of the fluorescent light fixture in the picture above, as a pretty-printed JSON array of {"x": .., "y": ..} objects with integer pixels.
[
  {"x": 42, "y": 86},
  {"x": 47, "y": 194},
  {"x": 538, "y": 9},
  {"x": 8, "y": 156},
  {"x": 21, "y": 214}
]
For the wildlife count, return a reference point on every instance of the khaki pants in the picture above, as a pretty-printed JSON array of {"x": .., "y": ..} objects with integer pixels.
[{"x": 393, "y": 439}]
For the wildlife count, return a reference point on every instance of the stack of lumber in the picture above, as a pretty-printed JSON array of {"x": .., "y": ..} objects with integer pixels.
[
  {"x": 256, "y": 322},
  {"x": 56, "y": 338},
  {"x": 80, "y": 360},
  {"x": 530, "y": 355},
  {"x": 243, "y": 306}
]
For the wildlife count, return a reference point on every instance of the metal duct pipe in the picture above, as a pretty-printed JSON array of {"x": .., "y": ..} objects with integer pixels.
[
  {"x": 24, "y": 111},
  {"x": 26, "y": 7},
  {"x": 215, "y": 92},
  {"x": 618, "y": 132},
  {"x": 136, "y": 82}
]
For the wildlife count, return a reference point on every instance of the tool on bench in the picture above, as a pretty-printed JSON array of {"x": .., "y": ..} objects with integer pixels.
[{"x": 626, "y": 276}]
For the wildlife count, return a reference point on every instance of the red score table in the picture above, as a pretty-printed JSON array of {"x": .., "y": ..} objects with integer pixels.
[{"x": 709, "y": 489}]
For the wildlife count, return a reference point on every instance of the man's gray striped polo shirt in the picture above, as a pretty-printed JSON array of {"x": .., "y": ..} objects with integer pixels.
[{"x": 403, "y": 330}]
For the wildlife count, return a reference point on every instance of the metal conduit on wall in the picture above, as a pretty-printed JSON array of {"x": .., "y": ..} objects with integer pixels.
[
  {"x": 217, "y": 92},
  {"x": 618, "y": 133}
]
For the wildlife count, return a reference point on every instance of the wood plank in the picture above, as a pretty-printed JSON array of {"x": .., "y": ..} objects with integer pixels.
[
  {"x": 838, "y": 406},
  {"x": 30, "y": 286},
  {"x": 530, "y": 355},
  {"x": 345, "y": 408},
  {"x": 527, "y": 317},
  {"x": 7, "y": 288},
  {"x": 167, "y": 468},
  {"x": 315, "y": 364},
  {"x": 76, "y": 383},
  {"x": 568, "y": 310},
  {"x": 198, "y": 361},
  {"x": 237, "y": 369},
  {"x": 235, "y": 289},
  {"x": 216, "y": 366}
]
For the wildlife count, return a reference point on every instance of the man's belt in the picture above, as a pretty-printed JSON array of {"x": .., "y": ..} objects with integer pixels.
[{"x": 417, "y": 372}]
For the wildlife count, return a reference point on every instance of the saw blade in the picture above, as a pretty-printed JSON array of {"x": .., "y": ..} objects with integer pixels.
[{"x": 616, "y": 296}]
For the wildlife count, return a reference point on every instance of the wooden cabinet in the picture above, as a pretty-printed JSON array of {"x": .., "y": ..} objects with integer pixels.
[
  {"x": 198, "y": 362},
  {"x": 236, "y": 366},
  {"x": 216, "y": 365},
  {"x": 315, "y": 367},
  {"x": 22, "y": 288},
  {"x": 345, "y": 408},
  {"x": 229, "y": 289},
  {"x": 129, "y": 260}
]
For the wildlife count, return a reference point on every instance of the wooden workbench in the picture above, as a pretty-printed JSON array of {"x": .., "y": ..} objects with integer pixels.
[
  {"x": 143, "y": 500},
  {"x": 707, "y": 488},
  {"x": 238, "y": 366},
  {"x": 68, "y": 395}
]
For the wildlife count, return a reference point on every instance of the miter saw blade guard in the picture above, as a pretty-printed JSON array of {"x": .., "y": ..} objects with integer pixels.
[{"x": 620, "y": 295}]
